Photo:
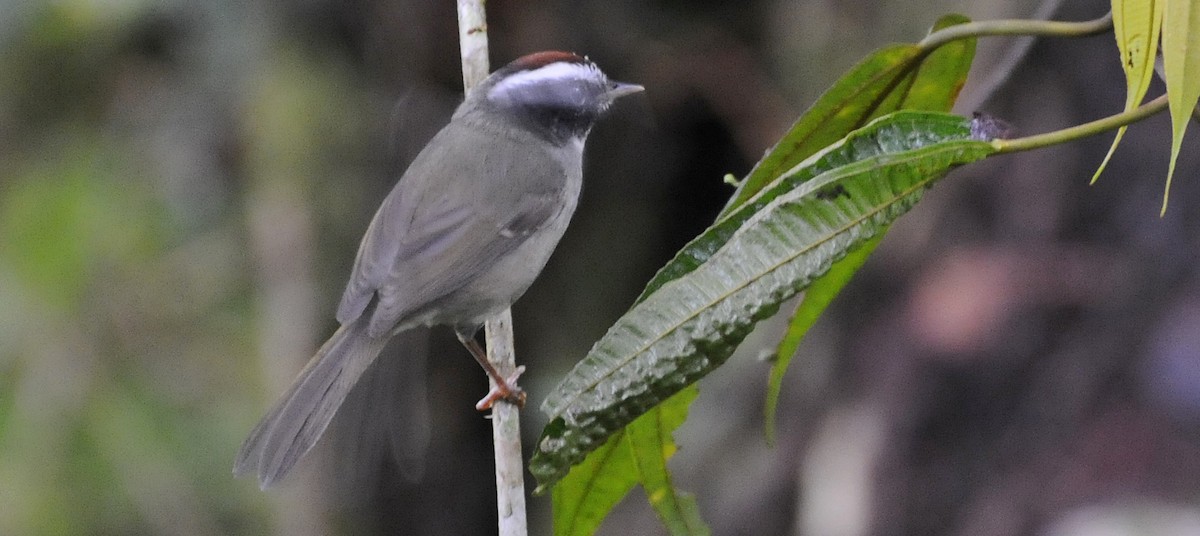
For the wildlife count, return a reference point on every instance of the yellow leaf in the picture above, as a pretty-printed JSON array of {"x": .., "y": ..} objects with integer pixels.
[
  {"x": 1181, "y": 70},
  {"x": 1136, "y": 25}
]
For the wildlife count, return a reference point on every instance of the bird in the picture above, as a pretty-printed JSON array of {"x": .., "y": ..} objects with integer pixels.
[{"x": 461, "y": 236}]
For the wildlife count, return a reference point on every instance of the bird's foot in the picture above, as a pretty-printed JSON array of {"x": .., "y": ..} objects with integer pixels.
[{"x": 506, "y": 389}]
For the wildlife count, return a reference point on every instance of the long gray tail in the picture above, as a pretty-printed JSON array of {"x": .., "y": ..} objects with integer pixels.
[{"x": 295, "y": 424}]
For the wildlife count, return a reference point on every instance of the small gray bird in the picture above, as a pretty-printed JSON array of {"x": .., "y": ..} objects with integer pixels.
[{"x": 461, "y": 236}]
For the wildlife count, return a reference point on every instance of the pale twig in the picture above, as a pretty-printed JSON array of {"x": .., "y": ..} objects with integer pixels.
[{"x": 506, "y": 424}]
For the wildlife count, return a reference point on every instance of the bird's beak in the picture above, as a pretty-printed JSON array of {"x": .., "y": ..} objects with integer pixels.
[{"x": 620, "y": 89}]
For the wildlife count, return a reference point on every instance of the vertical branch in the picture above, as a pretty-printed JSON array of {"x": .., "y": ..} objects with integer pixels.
[
  {"x": 506, "y": 433},
  {"x": 472, "y": 41},
  {"x": 506, "y": 424}
]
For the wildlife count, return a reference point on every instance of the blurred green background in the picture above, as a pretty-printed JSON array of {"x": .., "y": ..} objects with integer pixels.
[{"x": 183, "y": 186}]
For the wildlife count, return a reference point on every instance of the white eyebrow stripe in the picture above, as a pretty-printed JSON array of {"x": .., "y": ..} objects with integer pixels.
[{"x": 559, "y": 70}]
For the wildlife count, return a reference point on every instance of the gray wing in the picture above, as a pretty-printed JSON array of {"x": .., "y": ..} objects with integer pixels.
[{"x": 441, "y": 226}]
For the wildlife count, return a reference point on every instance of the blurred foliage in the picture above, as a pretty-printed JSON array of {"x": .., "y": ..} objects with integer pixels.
[{"x": 129, "y": 329}]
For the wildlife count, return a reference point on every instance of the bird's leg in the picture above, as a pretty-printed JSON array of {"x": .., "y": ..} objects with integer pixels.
[{"x": 506, "y": 388}]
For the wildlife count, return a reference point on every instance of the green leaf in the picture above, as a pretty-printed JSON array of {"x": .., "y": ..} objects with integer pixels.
[
  {"x": 896, "y": 77},
  {"x": 935, "y": 83},
  {"x": 1136, "y": 25},
  {"x": 878, "y": 85},
  {"x": 842, "y": 108},
  {"x": 592, "y": 488},
  {"x": 786, "y": 236},
  {"x": 933, "y": 87},
  {"x": 651, "y": 445},
  {"x": 817, "y": 297},
  {"x": 942, "y": 73},
  {"x": 1181, "y": 70}
]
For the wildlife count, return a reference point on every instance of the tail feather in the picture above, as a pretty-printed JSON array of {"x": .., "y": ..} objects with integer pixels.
[{"x": 303, "y": 413}]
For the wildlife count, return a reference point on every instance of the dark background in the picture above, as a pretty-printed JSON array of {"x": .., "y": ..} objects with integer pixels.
[{"x": 183, "y": 186}]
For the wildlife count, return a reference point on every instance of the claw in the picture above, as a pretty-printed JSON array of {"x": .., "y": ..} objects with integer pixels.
[{"x": 506, "y": 390}]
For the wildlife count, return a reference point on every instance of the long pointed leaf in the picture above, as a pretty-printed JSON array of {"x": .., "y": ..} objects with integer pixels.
[
  {"x": 876, "y": 86},
  {"x": 892, "y": 78},
  {"x": 592, "y": 488},
  {"x": 1136, "y": 25},
  {"x": 842, "y": 108},
  {"x": 817, "y": 297},
  {"x": 651, "y": 445},
  {"x": 1181, "y": 67},
  {"x": 933, "y": 87},
  {"x": 941, "y": 75},
  {"x": 691, "y": 325}
]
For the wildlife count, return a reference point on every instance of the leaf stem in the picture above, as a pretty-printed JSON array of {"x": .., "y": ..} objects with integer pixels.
[
  {"x": 506, "y": 417},
  {"x": 1017, "y": 27},
  {"x": 1081, "y": 131}
]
